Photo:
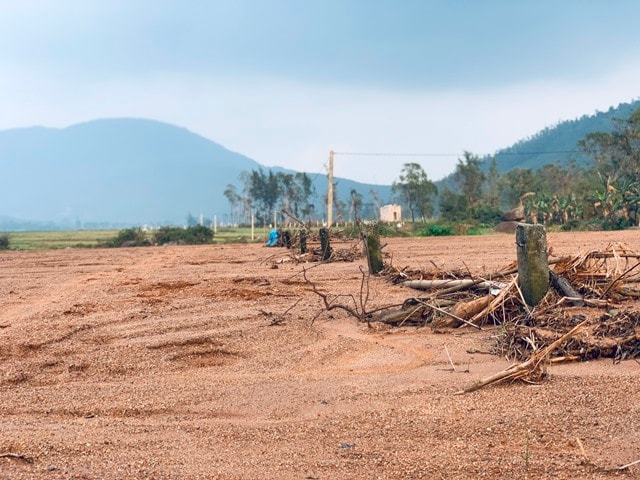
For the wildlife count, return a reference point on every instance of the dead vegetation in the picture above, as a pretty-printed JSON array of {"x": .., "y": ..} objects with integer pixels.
[
  {"x": 600, "y": 282},
  {"x": 583, "y": 317}
]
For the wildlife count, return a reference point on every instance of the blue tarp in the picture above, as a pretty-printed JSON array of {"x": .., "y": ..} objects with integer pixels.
[{"x": 273, "y": 238}]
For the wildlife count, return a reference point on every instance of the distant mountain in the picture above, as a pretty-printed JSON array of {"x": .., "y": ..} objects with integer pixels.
[
  {"x": 118, "y": 172},
  {"x": 558, "y": 145}
]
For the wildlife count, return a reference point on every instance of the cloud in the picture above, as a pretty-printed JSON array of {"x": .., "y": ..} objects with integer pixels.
[{"x": 279, "y": 122}]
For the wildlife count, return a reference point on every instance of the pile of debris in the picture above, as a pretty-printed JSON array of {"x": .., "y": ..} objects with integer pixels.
[{"x": 598, "y": 290}]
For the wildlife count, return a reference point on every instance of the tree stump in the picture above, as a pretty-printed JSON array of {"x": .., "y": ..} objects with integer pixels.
[
  {"x": 371, "y": 237},
  {"x": 325, "y": 244},
  {"x": 303, "y": 241}
]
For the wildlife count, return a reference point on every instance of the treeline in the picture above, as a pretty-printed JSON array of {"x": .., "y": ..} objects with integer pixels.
[
  {"x": 604, "y": 195},
  {"x": 292, "y": 197},
  {"x": 601, "y": 194}
]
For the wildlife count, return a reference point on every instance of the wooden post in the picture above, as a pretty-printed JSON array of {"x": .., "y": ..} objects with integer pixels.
[
  {"x": 253, "y": 221},
  {"x": 330, "y": 192},
  {"x": 325, "y": 244},
  {"x": 533, "y": 266},
  {"x": 371, "y": 237}
]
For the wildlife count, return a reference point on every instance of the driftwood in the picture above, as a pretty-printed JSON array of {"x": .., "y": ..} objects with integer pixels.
[
  {"x": 411, "y": 311},
  {"x": 454, "y": 316},
  {"x": 567, "y": 290},
  {"x": 531, "y": 370},
  {"x": 463, "y": 310},
  {"x": 451, "y": 283}
]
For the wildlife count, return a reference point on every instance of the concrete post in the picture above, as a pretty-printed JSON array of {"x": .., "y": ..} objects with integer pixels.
[{"x": 533, "y": 266}]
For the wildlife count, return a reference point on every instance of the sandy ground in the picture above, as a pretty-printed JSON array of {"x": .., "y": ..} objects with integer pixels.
[{"x": 163, "y": 362}]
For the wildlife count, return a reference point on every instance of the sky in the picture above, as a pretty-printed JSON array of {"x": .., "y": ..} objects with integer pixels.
[{"x": 284, "y": 82}]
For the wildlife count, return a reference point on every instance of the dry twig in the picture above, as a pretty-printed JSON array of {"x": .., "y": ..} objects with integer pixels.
[
  {"x": 449, "y": 357},
  {"x": 16, "y": 456},
  {"x": 532, "y": 368}
]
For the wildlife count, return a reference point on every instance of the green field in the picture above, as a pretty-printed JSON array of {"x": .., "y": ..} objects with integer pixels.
[{"x": 47, "y": 240}]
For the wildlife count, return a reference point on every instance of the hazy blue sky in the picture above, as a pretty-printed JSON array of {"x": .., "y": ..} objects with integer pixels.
[{"x": 285, "y": 81}]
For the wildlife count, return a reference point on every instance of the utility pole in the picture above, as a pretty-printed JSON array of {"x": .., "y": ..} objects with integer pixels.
[{"x": 330, "y": 192}]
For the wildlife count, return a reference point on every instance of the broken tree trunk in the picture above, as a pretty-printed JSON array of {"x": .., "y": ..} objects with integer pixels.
[
  {"x": 325, "y": 244},
  {"x": 303, "y": 241},
  {"x": 567, "y": 290},
  {"x": 413, "y": 310},
  {"x": 371, "y": 238},
  {"x": 463, "y": 310}
]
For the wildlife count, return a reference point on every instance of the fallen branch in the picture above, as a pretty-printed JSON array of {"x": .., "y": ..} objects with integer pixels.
[
  {"x": 526, "y": 370},
  {"x": 452, "y": 284},
  {"x": 452, "y": 315},
  {"x": 496, "y": 301},
  {"x": 567, "y": 290},
  {"x": 279, "y": 319},
  {"x": 616, "y": 280},
  {"x": 449, "y": 357},
  {"x": 624, "y": 467},
  {"x": 464, "y": 309},
  {"x": 16, "y": 456},
  {"x": 359, "y": 310}
]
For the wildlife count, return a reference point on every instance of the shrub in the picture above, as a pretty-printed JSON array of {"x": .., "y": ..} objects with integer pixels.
[
  {"x": 618, "y": 223},
  {"x": 130, "y": 237},
  {"x": 486, "y": 214},
  {"x": 196, "y": 235},
  {"x": 435, "y": 230},
  {"x": 4, "y": 241},
  {"x": 571, "y": 225}
]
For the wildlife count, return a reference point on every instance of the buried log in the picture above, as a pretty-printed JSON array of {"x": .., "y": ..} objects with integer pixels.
[
  {"x": 567, "y": 290},
  {"x": 411, "y": 312},
  {"x": 463, "y": 311},
  {"x": 531, "y": 370},
  {"x": 417, "y": 310}
]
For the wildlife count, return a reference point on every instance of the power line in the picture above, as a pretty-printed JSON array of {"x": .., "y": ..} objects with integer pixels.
[{"x": 405, "y": 154}]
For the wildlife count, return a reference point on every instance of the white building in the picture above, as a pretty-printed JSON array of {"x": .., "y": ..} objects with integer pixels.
[{"x": 391, "y": 213}]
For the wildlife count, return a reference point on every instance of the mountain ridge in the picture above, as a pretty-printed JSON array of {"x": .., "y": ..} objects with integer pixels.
[{"x": 123, "y": 171}]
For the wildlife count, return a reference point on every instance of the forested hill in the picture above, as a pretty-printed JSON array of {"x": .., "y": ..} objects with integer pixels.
[{"x": 558, "y": 145}]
